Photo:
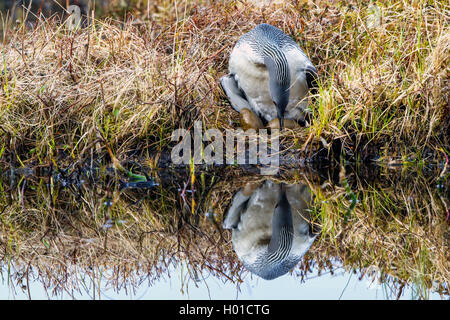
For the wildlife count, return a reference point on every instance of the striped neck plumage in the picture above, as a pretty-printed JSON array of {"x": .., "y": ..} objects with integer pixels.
[
  {"x": 279, "y": 79},
  {"x": 284, "y": 245},
  {"x": 277, "y": 65}
]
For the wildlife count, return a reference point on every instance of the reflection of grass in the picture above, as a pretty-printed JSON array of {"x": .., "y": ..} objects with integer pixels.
[
  {"x": 96, "y": 227},
  {"x": 382, "y": 89},
  {"x": 397, "y": 225}
]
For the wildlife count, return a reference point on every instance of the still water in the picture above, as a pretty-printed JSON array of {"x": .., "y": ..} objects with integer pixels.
[
  {"x": 92, "y": 234},
  {"x": 177, "y": 285}
]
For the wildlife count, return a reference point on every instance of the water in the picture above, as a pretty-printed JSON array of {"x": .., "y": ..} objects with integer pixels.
[
  {"x": 342, "y": 285},
  {"x": 87, "y": 233}
]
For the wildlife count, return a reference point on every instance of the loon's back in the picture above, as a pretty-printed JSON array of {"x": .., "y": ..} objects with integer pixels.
[{"x": 250, "y": 72}]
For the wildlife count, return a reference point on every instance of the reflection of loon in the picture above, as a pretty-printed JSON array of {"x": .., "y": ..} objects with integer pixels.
[{"x": 270, "y": 231}]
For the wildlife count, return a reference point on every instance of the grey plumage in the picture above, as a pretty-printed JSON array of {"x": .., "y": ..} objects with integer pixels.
[
  {"x": 270, "y": 42},
  {"x": 270, "y": 72},
  {"x": 270, "y": 231}
]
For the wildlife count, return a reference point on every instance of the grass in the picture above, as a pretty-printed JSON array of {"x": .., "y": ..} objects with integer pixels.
[{"x": 383, "y": 73}]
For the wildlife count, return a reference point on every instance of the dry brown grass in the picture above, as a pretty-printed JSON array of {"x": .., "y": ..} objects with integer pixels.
[{"x": 384, "y": 77}]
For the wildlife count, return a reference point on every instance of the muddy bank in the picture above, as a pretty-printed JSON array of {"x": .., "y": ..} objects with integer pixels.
[{"x": 139, "y": 174}]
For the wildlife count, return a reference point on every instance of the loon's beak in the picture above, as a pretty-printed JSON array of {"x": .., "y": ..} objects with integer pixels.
[{"x": 281, "y": 120}]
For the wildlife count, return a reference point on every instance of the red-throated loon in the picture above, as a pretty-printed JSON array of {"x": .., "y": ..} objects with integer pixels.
[{"x": 269, "y": 75}]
